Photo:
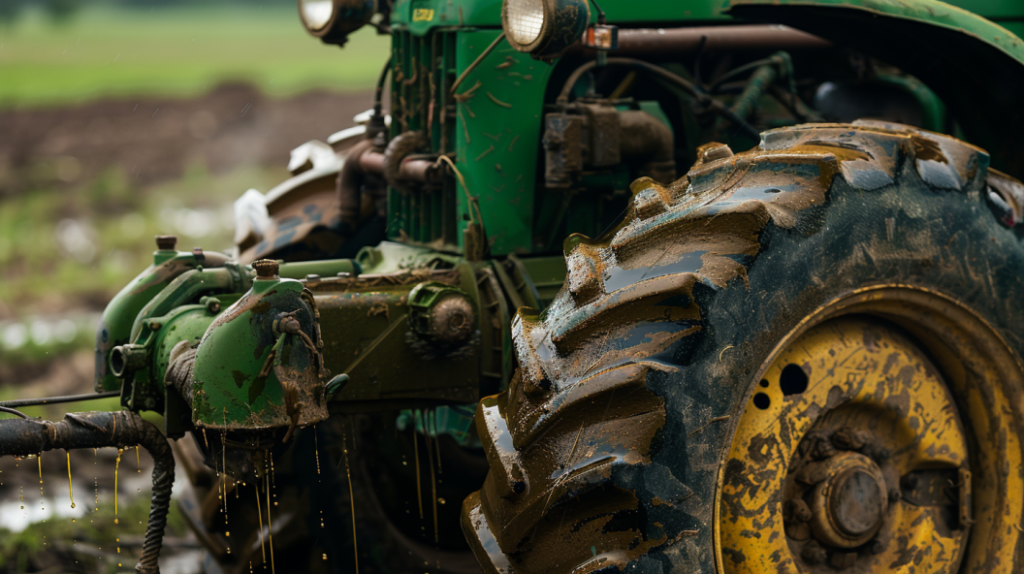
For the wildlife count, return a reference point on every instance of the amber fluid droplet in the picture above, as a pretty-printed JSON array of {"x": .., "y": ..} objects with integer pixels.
[
  {"x": 71, "y": 490},
  {"x": 316, "y": 450},
  {"x": 117, "y": 463}
]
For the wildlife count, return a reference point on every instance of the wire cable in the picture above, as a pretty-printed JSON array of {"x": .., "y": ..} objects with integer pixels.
[{"x": 687, "y": 86}]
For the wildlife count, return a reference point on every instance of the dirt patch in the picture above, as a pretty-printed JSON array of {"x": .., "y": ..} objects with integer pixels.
[{"x": 155, "y": 139}]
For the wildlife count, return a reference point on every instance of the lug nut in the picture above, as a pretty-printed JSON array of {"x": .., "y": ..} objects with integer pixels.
[{"x": 813, "y": 553}]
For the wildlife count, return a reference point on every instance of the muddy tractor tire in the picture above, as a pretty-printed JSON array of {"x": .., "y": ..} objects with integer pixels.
[{"x": 801, "y": 358}]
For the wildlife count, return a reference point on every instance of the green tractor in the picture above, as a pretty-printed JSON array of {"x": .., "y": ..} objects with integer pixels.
[{"x": 541, "y": 312}]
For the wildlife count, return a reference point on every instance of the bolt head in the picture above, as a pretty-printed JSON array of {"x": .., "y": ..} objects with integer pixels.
[
  {"x": 265, "y": 268},
  {"x": 166, "y": 242}
]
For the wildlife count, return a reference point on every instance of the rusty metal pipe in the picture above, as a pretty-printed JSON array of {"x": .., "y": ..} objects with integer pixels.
[
  {"x": 718, "y": 38},
  {"x": 22, "y": 437},
  {"x": 372, "y": 162},
  {"x": 350, "y": 183}
]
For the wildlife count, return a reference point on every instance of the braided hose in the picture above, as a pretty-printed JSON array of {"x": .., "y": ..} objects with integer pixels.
[{"x": 22, "y": 437}]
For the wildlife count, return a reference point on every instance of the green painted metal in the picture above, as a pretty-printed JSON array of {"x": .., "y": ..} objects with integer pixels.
[
  {"x": 422, "y": 16},
  {"x": 500, "y": 125},
  {"x": 930, "y": 12},
  {"x": 992, "y": 9},
  {"x": 118, "y": 319},
  {"x": 252, "y": 373}
]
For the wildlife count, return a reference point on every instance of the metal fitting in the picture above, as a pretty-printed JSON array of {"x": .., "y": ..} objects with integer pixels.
[
  {"x": 166, "y": 242},
  {"x": 265, "y": 269}
]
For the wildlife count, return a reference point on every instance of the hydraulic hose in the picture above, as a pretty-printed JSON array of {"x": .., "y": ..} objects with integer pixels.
[
  {"x": 687, "y": 86},
  {"x": 22, "y": 437}
]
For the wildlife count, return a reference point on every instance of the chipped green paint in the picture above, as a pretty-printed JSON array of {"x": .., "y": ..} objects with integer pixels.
[{"x": 250, "y": 372}]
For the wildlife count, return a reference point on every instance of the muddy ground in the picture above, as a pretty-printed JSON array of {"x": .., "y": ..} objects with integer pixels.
[
  {"x": 156, "y": 139},
  {"x": 153, "y": 140}
]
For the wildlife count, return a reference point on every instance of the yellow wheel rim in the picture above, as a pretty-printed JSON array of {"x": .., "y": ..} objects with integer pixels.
[{"x": 849, "y": 452}]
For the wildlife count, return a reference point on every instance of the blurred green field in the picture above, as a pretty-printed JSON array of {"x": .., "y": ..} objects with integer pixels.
[{"x": 176, "y": 51}]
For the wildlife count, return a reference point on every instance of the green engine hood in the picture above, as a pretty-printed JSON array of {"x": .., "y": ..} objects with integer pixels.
[{"x": 973, "y": 64}]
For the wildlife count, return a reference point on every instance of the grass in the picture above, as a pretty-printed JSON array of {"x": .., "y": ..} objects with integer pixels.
[
  {"x": 176, "y": 52},
  {"x": 115, "y": 224}
]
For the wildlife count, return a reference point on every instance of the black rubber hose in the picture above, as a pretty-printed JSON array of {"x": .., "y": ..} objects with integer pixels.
[
  {"x": 716, "y": 106},
  {"x": 22, "y": 437}
]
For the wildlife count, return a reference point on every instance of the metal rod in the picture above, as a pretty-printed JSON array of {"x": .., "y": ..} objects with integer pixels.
[
  {"x": 59, "y": 399},
  {"x": 728, "y": 37},
  {"x": 13, "y": 412}
]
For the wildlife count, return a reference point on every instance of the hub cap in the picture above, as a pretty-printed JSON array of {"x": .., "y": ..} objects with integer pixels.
[{"x": 849, "y": 452}]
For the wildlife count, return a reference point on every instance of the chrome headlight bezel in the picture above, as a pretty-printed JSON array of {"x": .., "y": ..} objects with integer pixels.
[
  {"x": 344, "y": 17},
  {"x": 563, "y": 24}
]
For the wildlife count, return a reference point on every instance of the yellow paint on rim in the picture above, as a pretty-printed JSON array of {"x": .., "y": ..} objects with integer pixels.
[{"x": 858, "y": 374}]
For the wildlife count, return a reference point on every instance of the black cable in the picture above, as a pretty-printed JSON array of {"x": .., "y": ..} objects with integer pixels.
[
  {"x": 379, "y": 94},
  {"x": 600, "y": 13},
  {"x": 688, "y": 87},
  {"x": 58, "y": 399},
  {"x": 13, "y": 412}
]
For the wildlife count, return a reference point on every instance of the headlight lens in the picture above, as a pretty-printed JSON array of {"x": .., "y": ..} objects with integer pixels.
[
  {"x": 525, "y": 19},
  {"x": 544, "y": 28},
  {"x": 316, "y": 13},
  {"x": 333, "y": 20}
]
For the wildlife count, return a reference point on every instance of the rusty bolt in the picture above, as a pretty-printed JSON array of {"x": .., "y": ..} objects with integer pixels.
[
  {"x": 843, "y": 560},
  {"x": 813, "y": 553},
  {"x": 289, "y": 325},
  {"x": 847, "y": 438},
  {"x": 797, "y": 510},
  {"x": 265, "y": 269},
  {"x": 166, "y": 242}
]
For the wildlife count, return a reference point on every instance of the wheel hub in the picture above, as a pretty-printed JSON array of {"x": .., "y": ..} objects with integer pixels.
[{"x": 844, "y": 418}]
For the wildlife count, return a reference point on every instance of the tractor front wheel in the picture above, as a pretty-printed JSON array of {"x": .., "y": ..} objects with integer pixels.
[{"x": 803, "y": 358}]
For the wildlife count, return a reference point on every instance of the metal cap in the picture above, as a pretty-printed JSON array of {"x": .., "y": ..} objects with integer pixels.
[
  {"x": 166, "y": 242},
  {"x": 265, "y": 268}
]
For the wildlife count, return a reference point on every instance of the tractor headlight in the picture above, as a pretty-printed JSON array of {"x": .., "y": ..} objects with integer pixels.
[
  {"x": 544, "y": 28},
  {"x": 333, "y": 20}
]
